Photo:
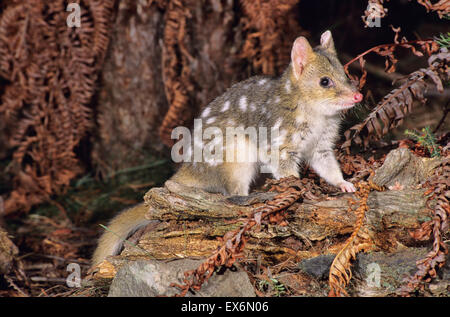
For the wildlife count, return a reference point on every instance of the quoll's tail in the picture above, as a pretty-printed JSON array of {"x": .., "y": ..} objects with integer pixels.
[{"x": 119, "y": 229}]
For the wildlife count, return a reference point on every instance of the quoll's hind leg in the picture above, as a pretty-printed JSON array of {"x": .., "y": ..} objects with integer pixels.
[
  {"x": 226, "y": 178},
  {"x": 201, "y": 176},
  {"x": 240, "y": 166},
  {"x": 287, "y": 165},
  {"x": 239, "y": 177}
]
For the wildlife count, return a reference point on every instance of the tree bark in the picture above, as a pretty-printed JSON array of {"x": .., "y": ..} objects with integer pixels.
[{"x": 133, "y": 99}]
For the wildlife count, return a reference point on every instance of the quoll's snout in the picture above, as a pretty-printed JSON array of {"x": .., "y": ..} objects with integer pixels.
[{"x": 357, "y": 97}]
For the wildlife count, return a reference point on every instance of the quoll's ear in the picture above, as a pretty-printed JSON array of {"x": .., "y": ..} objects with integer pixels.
[
  {"x": 301, "y": 54},
  {"x": 326, "y": 41}
]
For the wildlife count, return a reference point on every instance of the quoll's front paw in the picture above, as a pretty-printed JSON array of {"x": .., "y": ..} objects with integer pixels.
[{"x": 347, "y": 187}]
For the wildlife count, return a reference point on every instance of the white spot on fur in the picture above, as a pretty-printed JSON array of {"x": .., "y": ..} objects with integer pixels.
[
  {"x": 252, "y": 107},
  {"x": 231, "y": 122},
  {"x": 225, "y": 107},
  {"x": 210, "y": 120},
  {"x": 288, "y": 87},
  {"x": 262, "y": 82},
  {"x": 277, "y": 99},
  {"x": 243, "y": 103},
  {"x": 206, "y": 112}
]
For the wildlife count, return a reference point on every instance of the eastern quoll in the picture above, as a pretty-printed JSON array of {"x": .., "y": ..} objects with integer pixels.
[{"x": 303, "y": 106}]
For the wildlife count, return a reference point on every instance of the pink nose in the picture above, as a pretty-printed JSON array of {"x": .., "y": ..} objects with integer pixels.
[{"x": 357, "y": 97}]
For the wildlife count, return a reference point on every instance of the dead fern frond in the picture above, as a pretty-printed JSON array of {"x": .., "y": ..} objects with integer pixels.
[
  {"x": 442, "y": 7},
  {"x": 235, "y": 241},
  {"x": 391, "y": 111},
  {"x": 175, "y": 67},
  {"x": 45, "y": 108},
  {"x": 340, "y": 272},
  {"x": 438, "y": 189},
  {"x": 387, "y": 51},
  {"x": 375, "y": 9},
  {"x": 269, "y": 28},
  {"x": 267, "y": 44}
]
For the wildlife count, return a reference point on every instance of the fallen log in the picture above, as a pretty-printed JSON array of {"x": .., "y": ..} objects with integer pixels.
[{"x": 190, "y": 223}]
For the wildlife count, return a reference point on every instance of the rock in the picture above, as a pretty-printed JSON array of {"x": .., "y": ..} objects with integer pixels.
[
  {"x": 402, "y": 167},
  {"x": 376, "y": 274},
  {"x": 383, "y": 274},
  {"x": 153, "y": 278},
  {"x": 318, "y": 267}
]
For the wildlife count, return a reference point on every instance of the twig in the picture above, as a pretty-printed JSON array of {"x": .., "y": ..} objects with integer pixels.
[
  {"x": 48, "y": 279},
  {"x": 375, "y": 70},
  {"x": 447, "y": 109},
  {"x": 387, "y": 51},
  {"x": 17, "y": 288}
]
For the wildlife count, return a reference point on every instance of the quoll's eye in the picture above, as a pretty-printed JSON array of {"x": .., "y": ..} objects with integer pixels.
[{"x": 326, "y": 82}]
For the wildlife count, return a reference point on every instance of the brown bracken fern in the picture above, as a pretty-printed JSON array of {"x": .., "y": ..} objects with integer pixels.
[
  {"x": 438, "y": 190},
  {"x": 175, "y": 66},
  {"x": 418, "y": 47},
  {"x": 375, "y": 8},
  {"x": 270, "y": 28},
  {"x": 51, "y": 72},
  {"x": 340, "y": 272},
  {"x": 442, "y": 7},
  {"x": 390, "y": 112},
  {"x": 267, "y": 44}
]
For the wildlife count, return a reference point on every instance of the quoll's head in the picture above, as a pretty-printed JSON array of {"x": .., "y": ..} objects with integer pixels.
[{"x": 321, "y": 78}]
